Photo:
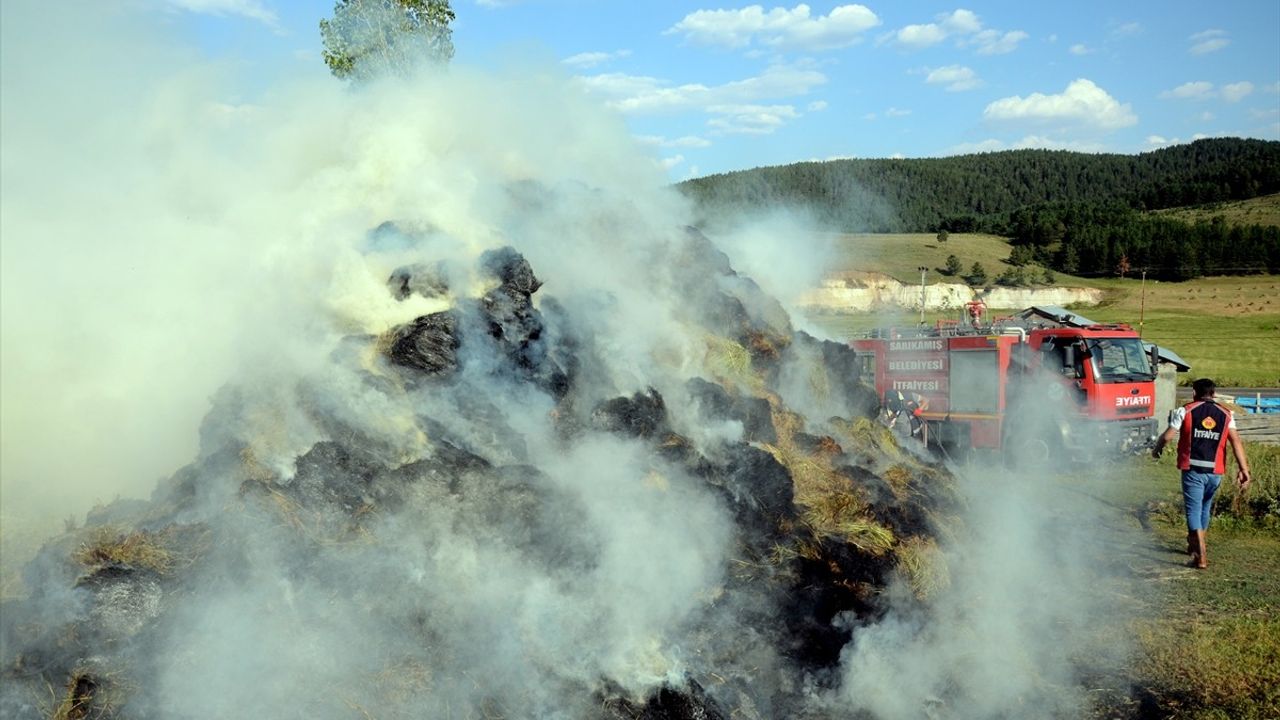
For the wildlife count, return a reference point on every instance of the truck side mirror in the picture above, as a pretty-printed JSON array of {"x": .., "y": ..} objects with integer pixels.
[
  {"x": 1069, "y": 356},
  {"x": 1155, "y": 358}
]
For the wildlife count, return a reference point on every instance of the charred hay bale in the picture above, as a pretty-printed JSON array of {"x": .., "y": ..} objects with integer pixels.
[
  {"x": 699, "y": 255},
  {"x": 427, "y": 280},
  {"x": 641, "y": 415},
  {"x": 516, "y": 505},
  {"x": 896, "y": 500},
  {"x": 838, "y": 373},
  {"x": 447, "y": 467},
  {"x": 518, "y": 330},
  {"x": 714, "y": 402},
  {"x": 332, "y": 474},
  {"x": 511, "y": 270},
  {"x": 758, "y": 487},
  {"x": 669, "y": 703},
  {"x": 428, "y": 344},
  {"x": 123, "y": 601},
  {"x": 513, "y": 321}
]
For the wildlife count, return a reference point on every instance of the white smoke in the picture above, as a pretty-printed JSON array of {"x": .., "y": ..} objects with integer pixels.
[{"x": 160, "y": 239}]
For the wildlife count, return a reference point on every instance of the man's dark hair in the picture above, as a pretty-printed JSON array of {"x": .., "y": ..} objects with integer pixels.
[{"x": 1204, "y": 387}]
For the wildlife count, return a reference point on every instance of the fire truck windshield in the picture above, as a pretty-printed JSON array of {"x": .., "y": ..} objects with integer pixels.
[{"x": 1119, "y": 360}]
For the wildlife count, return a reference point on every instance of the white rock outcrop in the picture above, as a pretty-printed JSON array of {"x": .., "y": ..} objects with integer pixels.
[{"x": 856, "y": 292}]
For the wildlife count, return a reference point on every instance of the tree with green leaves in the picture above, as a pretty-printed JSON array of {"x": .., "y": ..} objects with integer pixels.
[
  {"x": 943, "y": 235},
  {"x": 977, "y": 274},
  {"x": 368, "y": 38},
  {"x": 1021, "y": 255},
  {"x": 953, "y": 265}
]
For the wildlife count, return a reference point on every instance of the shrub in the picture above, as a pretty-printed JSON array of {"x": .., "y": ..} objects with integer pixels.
[{"x": 977, "y": 274}]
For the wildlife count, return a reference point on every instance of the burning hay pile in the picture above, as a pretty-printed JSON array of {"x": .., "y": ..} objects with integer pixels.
[{"x": 500, "y": 509}]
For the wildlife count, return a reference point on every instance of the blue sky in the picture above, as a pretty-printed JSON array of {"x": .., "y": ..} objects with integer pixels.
[{"x": 722, "y": 86}]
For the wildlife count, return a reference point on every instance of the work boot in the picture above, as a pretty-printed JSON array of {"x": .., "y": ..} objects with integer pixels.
[{"x": 1191, "y": 542}]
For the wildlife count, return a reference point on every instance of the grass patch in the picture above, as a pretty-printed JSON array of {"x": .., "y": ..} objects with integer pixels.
[
  {"x": 1263, "y": 210},
  {"x": 1208, "y": 645},
  {"x": 1228, "y": 328},
  {"x": 900, "y": 255}
]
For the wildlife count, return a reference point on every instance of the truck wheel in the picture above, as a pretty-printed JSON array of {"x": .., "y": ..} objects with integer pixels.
[{"x": 1027, "y": 452}]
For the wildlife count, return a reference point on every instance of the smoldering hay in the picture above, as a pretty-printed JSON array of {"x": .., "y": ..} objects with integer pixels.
[
  {"x": 493, "y": 432},
  {"x": 484, "y": 521}
]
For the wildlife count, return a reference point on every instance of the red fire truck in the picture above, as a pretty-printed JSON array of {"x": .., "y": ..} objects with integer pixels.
[{"x": 1041, "y": 383}]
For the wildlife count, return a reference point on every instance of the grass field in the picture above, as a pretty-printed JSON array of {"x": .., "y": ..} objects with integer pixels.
[
  {"x": 901, "y": 255},
  {"x": 1228, "y": 328},
  {"x": 1263, "y": 210},
  {"x": 1207, "y": 642}
]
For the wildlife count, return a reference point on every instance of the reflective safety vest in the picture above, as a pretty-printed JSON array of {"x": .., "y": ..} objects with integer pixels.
[{"x": 1202, "y": 439}]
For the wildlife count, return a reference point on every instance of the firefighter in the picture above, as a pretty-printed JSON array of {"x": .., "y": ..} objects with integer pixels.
[
  {"x": 1203, "y": 429},
  {"x": 912, "y": 404}
]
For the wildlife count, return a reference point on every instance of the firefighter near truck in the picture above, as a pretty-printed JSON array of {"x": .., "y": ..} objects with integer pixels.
[{"x": 1041, "y": 384}]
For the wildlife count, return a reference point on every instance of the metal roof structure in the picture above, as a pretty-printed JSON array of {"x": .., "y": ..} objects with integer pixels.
[
  {"x": 1056, "y": 314},
  {"x": 1168, "y": 356}
]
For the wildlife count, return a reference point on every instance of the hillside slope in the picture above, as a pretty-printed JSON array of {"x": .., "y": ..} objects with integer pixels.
[
  {"x": 1263, "y": 210},
  {"x": 979, "y": 192}
]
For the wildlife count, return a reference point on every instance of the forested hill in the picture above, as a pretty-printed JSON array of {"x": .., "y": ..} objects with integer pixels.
[{"x": 982, "y": 192}]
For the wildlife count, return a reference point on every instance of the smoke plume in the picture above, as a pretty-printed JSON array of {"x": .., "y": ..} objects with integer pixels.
[{"x": 443, "y": 409}]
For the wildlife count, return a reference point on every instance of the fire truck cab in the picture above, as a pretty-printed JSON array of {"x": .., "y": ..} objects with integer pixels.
[{"x": 1043, "y": 382}]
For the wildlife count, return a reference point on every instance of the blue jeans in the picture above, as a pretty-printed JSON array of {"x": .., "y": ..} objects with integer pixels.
[{"x": 1198, "y": 489}]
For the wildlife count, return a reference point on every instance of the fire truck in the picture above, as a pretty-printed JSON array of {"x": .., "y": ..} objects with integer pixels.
[{"x": 1042, "y": 383}]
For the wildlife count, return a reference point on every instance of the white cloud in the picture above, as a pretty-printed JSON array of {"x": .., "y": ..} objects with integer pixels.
[
  {"x": 921, "y": 36},
  {"x": 1206, "y": 116},
  {"x": 686, "y": 141},
  {"x": 1045, "y": 143},
  {"x": 1080, "y": 49},
  {"x": 750, "y": 119},
  {"x": 965, "y": 26},
  {"x": 989, "y": 145},
  {"x": 961, "y": 22},
  {"x": 869, "y": 116},
  {"x": 592, "y": 59},
  {"x": 642, "y": 94},
  {"x": 1124, "y": 30},
  {"x": 1207, "y": 41},
  {"x": 1028, "y": 142},
  {"x": 779, "y": 27},
  {"x": 993, "y": 42},
  {"x": 956, "y": 78},
  {"x": 1156, "y": 141},
  {"x": 1261, "y": 114},
  {"x": 817, "y": 106},
  {"x": 1081, "y": 103},
  {"x": 1235, "y": 92},
  {"x": 1196, "y": 90},
  {"x": 896, "y": 112},
  {"x": 670, "y": 162},
  {"x": 252, "y": 9},
  {"x": 897, "y": 156}
]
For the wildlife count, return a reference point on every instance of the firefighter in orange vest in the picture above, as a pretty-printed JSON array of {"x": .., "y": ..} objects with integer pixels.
[{"x": 1203, "y": 429}]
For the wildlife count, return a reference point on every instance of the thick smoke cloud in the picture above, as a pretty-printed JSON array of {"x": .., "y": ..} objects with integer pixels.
[
  {"x": 160, "y": 241},
  {"x": 560, "y": 515}
]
